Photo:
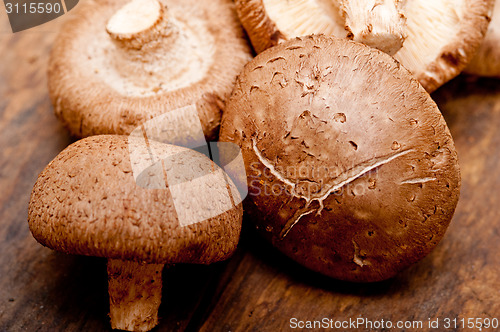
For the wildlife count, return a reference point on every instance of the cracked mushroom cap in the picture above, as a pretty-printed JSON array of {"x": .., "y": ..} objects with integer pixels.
[
  {"x": 486, "y": 62},
  {"x": 435, "y": 39},
  {"x": 351, "y": 168},
  {"x": 117, "y": 64},
  {"x": 86, "y": 202}
]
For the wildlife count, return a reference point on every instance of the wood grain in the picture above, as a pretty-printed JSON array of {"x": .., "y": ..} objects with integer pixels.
[{"x": 258, "y": 289}]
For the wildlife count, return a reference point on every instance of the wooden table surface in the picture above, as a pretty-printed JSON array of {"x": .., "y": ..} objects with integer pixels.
[{"x": 258, "y": 289}]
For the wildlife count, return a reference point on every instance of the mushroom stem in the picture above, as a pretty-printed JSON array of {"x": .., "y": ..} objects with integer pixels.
[
  {"x": 139, "y": 23},
  {"x": 377, "y": 23},
  {"x": 134, "y": 294}
]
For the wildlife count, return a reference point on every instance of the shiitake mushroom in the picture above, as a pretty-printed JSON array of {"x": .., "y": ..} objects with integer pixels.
[{"x": 351, "y": 168}]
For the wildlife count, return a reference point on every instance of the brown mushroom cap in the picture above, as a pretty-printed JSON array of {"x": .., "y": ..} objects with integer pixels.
[
  {"x": 87, "y": 202},
  {"x": 486, "y": 62},
  {"x": 351, "y": 168},
  {"x": 103, "y": 80},
  {"x": 442, "y": 36}
]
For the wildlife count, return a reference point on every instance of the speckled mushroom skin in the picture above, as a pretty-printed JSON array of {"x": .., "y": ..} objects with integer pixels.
[
  {"x": 86, "y": 202},
  {"x": 450, "y": 61},
  {"x": 352, "y": 170},
  {"x": 86, "y": 84}
]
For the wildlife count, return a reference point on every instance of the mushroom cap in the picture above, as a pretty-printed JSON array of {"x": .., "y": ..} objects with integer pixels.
[
  {"x": 97, "y": 87},
  {"x": 351, "y": 168},
  {"x": 486, "y": 62},
  {"x": 87, "y": 202},
  {"x": 442, "y": 35}
]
